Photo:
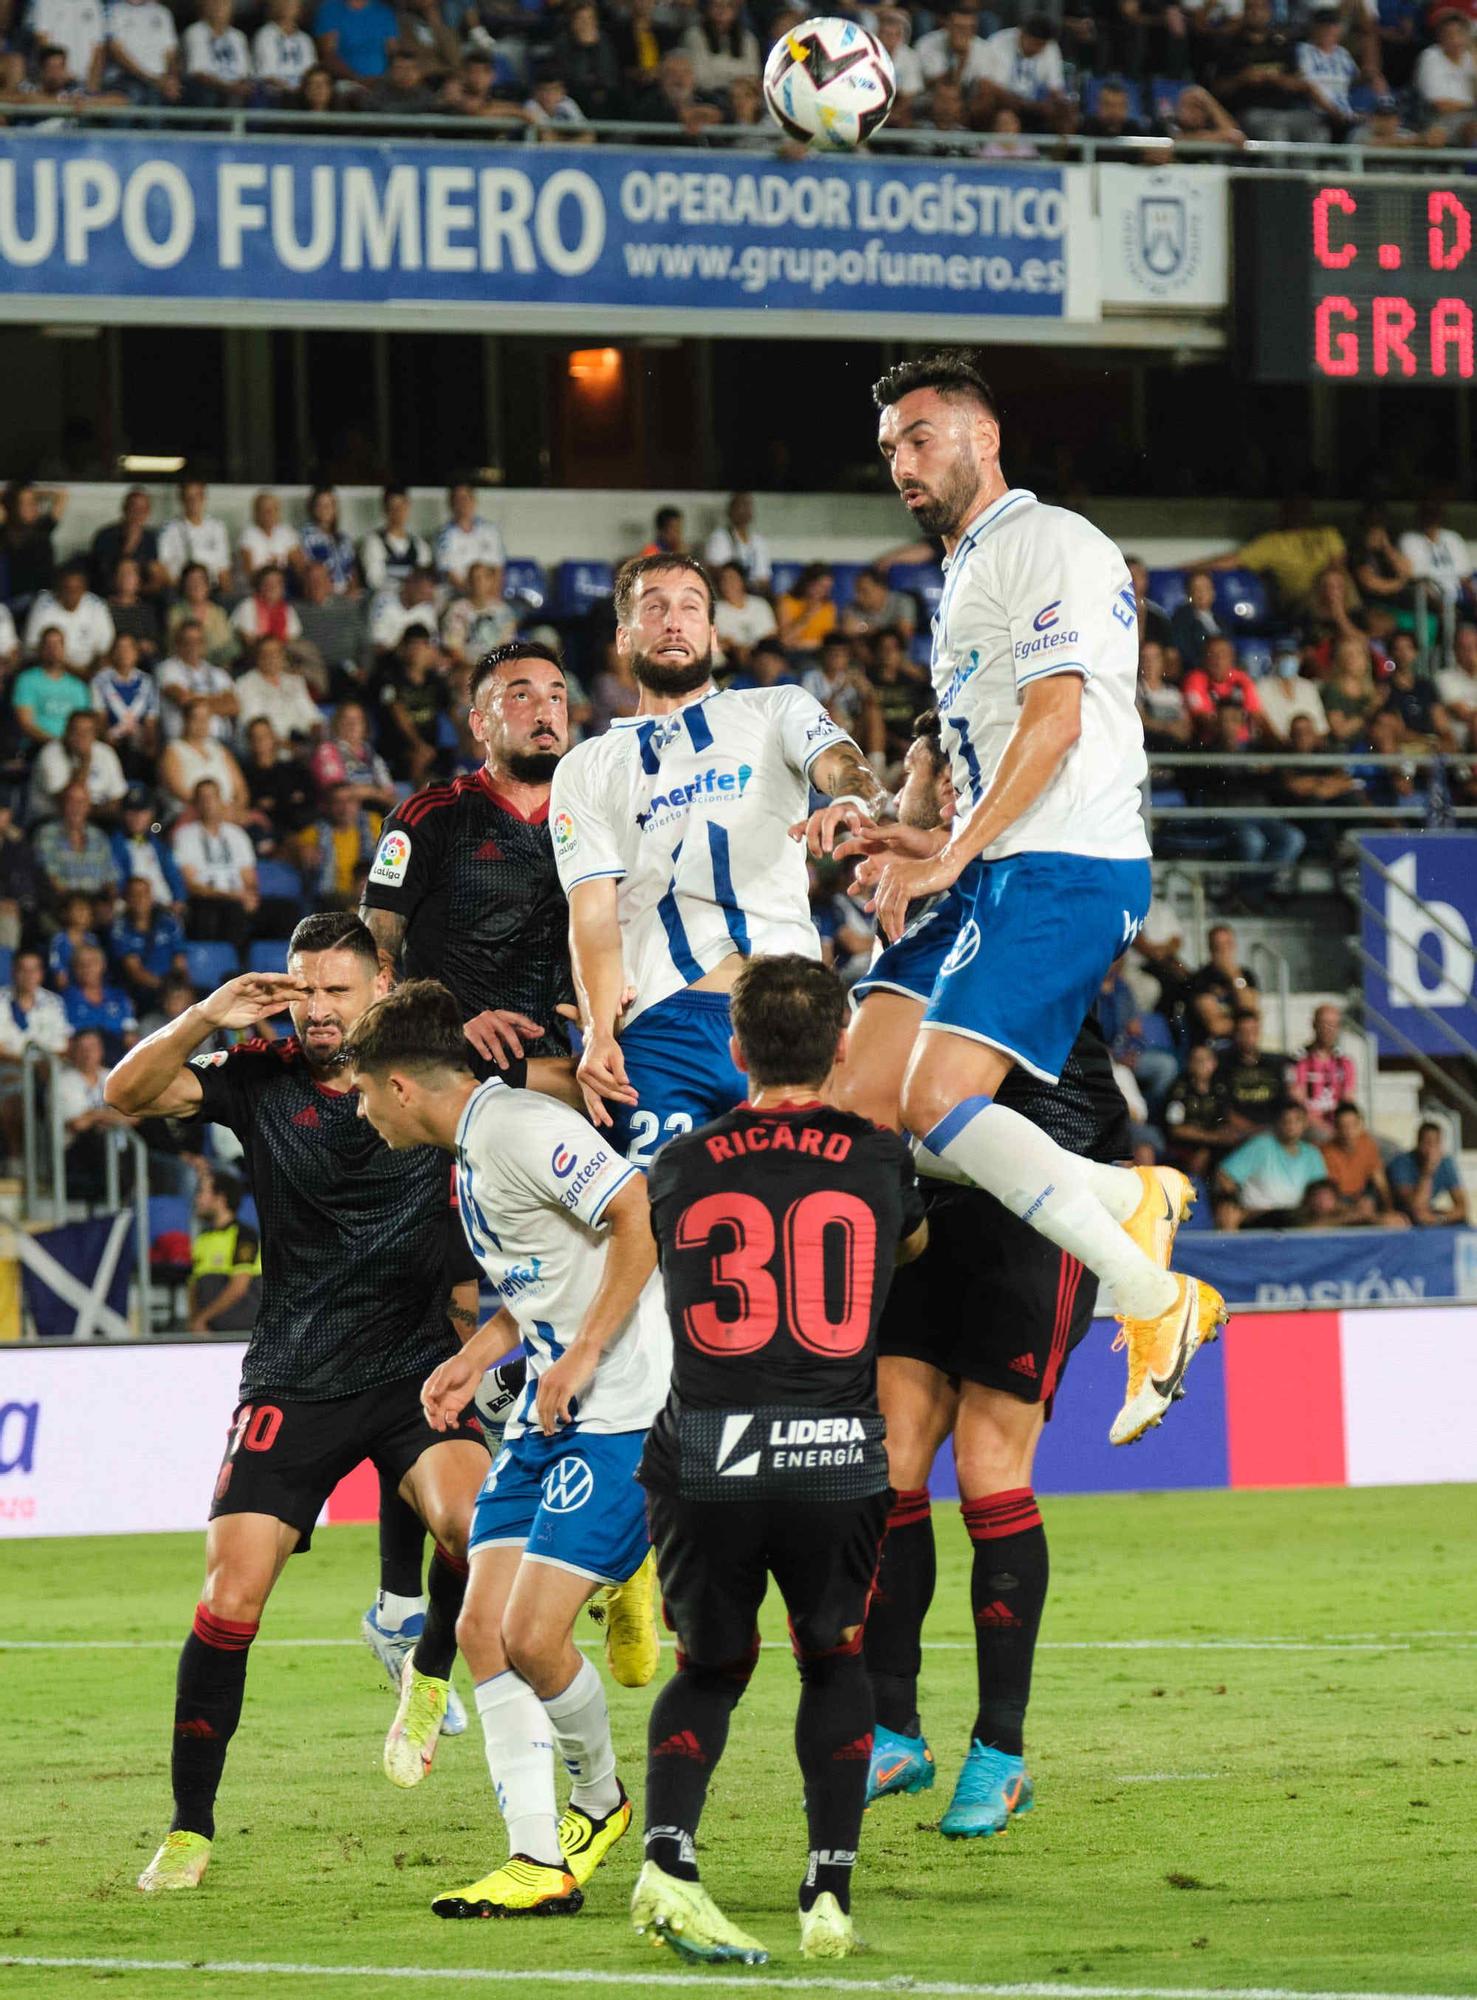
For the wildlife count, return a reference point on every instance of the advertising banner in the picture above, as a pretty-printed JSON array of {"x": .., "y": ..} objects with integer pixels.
[
  {"x": 1419, "y": 922},
  {"x": 1266, "y": 1269},
  {"x": 1165, "y": 235}
]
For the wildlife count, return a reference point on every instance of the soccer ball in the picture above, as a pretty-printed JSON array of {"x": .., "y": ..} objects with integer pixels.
[{"x": 829, "y": 83}]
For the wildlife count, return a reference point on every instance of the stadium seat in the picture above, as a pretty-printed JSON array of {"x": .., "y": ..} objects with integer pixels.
[
  {"x": 5, "y": 962},
  {"x": 169, "y": 1214},
  {"x": 525, "y": 581},
  {"x": 1092, "y": 91},
  {"x": 247, "y": 1212},
  {"x": 210, "y": 965},
  {"x": 782, "y": 577},
  {"x": 924, "y": 580},
  {"x": 267, "y": 955},
  {"x": 1242, "y": 600},
  {"x": 1167, "y": 589},
  {"x": 1255, "y": 655},
  {"x": 845, "y": 575},
  {"x": 279, "y": 881},
  {"x": 1155, "y": 1031},
  {"x": 1164, "y": 96},
  {"x": 921, "y": 650},
  {"x": 580, "y": 586}
]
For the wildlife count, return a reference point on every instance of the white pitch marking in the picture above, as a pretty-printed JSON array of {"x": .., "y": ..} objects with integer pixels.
[
  {"x": 947, "y": 1989},
  {"x": 783, "y": 1645},
  {"x": 1167, "y": 1777}
]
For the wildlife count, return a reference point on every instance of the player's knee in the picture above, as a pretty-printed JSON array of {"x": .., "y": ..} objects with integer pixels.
[
  {"x": 926, "y": 1097},
  {"x": 533, "y": 1646},
  {"x": 830, "y": 1668},
  {"x": 236, "y": 1595},
  {"x": 479, "y": 1639},
  {"x": 726, "y": 1682}
]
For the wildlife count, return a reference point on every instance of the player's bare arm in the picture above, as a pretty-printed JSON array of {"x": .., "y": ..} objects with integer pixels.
[
  {"x": 912, "y": 1246},
  {"x": 861, "y": 799},
  {"x": 630, "y": 1259},
  {"x": 600, "y": 984},
  {"x": 1048, "y": 726},
  {"x": 154, "y": 1080},
  {"x": 461, "y": 1310},
  {"x": 387, "y": 928},
  {"x": 447, "y": 1390}
]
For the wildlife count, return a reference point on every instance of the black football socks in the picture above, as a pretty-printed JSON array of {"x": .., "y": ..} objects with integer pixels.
[
  {"x": 1007, "y": 1589},
  {"x": 207, "y": 1708},
  {"x": 905, "y": 1584}
]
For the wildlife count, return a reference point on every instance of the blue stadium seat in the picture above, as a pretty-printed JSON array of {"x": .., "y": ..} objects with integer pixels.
[
  {"x": 525, "y": 579},
  {"x": 279, "y": 880},
  {"x": 267, "y": 955},
  {"x": 5, "y": 962},
  {"x": 247, "y": 1212},
  {"x": 1092, "y": 91},
  {"x": 1164, "y": 96},
  {"x": 844, "y": 585},
  {"x": 1154, "y": 1031},
  {"x": 169, "y": 1211},
  {"x": 921, "y": 650},
  {"x": 580, "y": 586},
  {"x": 1167, "y": 589},
  {"x": 924, "y": 580},
  {"x": 211, "y": 965},
  {"x": 1361, "y": 98},
  {"x": 1242, "y": 600},
  {"x": 782, "y": 577},
  {"x": 1255, "y": 655}
]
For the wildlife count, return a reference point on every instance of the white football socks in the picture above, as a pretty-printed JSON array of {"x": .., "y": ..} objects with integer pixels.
[
  {"x": 393, "y": 1611},
  {"x": 520, "y": 1757},
  {"x": 581, "y": 1724},
  {"x": 1066, "y": 1198}
]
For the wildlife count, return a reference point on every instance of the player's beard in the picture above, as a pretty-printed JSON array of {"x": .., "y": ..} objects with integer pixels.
[
  {"x": 662, "y": 679},
  {"x": 531, "y": 767},
  {"x": 945, "y": 512}
]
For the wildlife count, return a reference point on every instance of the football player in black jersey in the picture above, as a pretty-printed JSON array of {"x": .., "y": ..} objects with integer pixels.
[
  {"x": 361, "y": 1253},
  {"x": 778, "y": 1228},
  {"x": 972, "y": 1344}
]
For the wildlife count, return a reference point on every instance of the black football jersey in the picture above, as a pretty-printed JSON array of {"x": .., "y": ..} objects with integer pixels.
[
  {"x": 1084, "y": 1111},
  {"x": 360, "y": 1245},
  {"x": 476, "y": 883},
  {"x": 778, "y": 1234}
]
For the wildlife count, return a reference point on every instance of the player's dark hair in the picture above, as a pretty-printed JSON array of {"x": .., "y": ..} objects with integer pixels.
[
  {"x": 788, "y": 1013},
  {"x": 417, "y": 1026},
  {"x": 630, "y": 574},
  {"x": 335, "y": 930},
  {"x": 950, "y": 374},
  {"x": 505, "y": 656},
  {"x": 929, "y": 728}
]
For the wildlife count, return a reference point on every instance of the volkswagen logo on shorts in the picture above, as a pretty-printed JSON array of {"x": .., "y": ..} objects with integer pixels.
[
  {"x": 964, "y": 948},
  {"x": 568, "y": 1485}
]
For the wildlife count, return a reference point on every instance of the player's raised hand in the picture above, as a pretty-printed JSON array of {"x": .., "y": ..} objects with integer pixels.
[
  {"x": 251, "y": 997},
  {"x": 829, "y": 824},
  {"x": 917, "y": 842},
  {"x": 499, "y": 1034},
  {"x": 447, "y": 1390},
  {"x": 602, "y": 1078},
  {"x": 561, "y": 1386},
  {"x": 900, "y": 882}
]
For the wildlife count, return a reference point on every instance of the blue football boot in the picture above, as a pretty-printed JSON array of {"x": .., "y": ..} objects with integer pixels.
[
  {"x": 899, "y": 1764},
  {"x": 992, "y": 1788}
]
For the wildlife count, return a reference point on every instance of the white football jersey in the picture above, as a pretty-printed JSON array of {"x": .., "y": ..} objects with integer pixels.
[
  {"x": 1032, "y": 591},
  {"x": 691, "y": 813},
  {"x": 533, "y": 1180}
]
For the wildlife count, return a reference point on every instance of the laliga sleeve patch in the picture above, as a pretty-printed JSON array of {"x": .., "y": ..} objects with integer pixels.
[
  {"x": 212, "y": 1061},
  {"x": 566, "y": 840},
  {"x": 392, "y": 859}
]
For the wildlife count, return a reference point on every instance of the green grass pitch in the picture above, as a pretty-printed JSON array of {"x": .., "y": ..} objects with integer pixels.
[{"x": 1252, "y": 1736}]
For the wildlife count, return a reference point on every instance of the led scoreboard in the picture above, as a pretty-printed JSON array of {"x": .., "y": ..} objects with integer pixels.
[{"x": 1350, "y": 280}]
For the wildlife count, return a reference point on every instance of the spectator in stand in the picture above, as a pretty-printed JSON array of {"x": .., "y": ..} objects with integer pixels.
[
  {"x": 1195, "y": 620},
  {"x": 1350, "y": 699},
  {"x": 673, "y": 98},
  {"x": 843, "y": 690},
  {"x": 281, "y": 798},
  {"x": 186, "y": 676},
  {"x": 219, "y": 642},
  {"x": 1257, "y": 78},
  {"x": 1426, "y": 1184},
  {"x": 769, "y": 666},
  {"x": 1024, "y": 73},
  {"x": 10, "y": 644},
  {"x": 1285, "y": 694},
  {"x": 412, "y": 695},
  {"x": 1332, "y": 787},
  {"x": 1256, "y": 1083},
  {"x": 1265, "y": 1183},
  {"x": 76, "y": 918},
  {"x": 1199, "y": 119},
  {"x": 29, "y": 518},
  {"x": 1153, "y": 38},
  {"x": 272, "y": 689},
  {"x": 78, "y": 614},
  {"x": 1383, "y": 125},
  {"x": 894, "y": 29},
  {"x": 1217, "y": 684},
  {"x": 1328, "y": 68},
  {"x": 266, "y": 613},
  {"x": 401, "y": 91},
  {"x": 92, "y": 1004},
  {"x": 225, "y": 1259},
  {"x": 1389, "y": 785},
  {"x": 1154, "y": 620},
  {"x": 44, "y": 695},
  {"x": 219, "y": 867},
  {"x": 77, "y": 757},
  {"x": 1297, "y": 552},
  {"x": 331, "y": 650},
  {"x": 1457, "y": 685},
  {"x": 474, "y": 624},
  {"x": 138, "y": 850},
  {"x": 217, "y": 58},
  {"x": 130, "y": 535},
  {"x": 721, "y": 47},
  {"x": 466, "y": 539},
  {"x": 78, "y": 28},
  {"x": 30, "y": 1017},
  {"x": 616, "y": 691},
  {"x": 1323, "y": 1076},
  {"x": 741, "y": 617},
  {"x": 195, "y": 755},
  {"x": 429, "y": 37},
  {"x": 146, "y": 942},
  {"x": 1380, "y": 571},
  {"x": 321, "y": 540},
  {"x": 134, "y": 615},
  {"x": 1167, "y": 723},
  {"x": 346, "y": 757},
  {"x": 395, "y": 612},
  {"x": 944, "y": 110},
  {"x": 266, "y": 541},
  {"x": 1351, "y": 1159},
  {"x": 1330, "y": 618},
  {"x": 1153, "y": 1069},
  {"x": 1252, "y": 841},
  {"x": 739, "y": 542},
  {"x": 86, "y": 1118},
  {"x": 876, "y": 607},
  {"x": 901, "y": 690},
  {"x": 669, "y": 533},
  {"x": 1446, "y": 83},
  {"x": 338, "y": 851},
  {"x": 355, "y": 38},
  {"x": 1114, "y": 117},
  {"x": 642, "y": 34},
  {"x": 1416, "y": 701},
  {"x": 480, "y": 89},
  {"x": 1438, "y": 556},
  {"x": 143, "y": 51},
  {"x": 807, "y": 611},
  {"x": 1196, "y": 1114},
  {"x": 19, "y": 882},
  {"x": 393, "y": 551},
  {"x": 955, "y": 51},
  {"x": 282, "y": 51},
  {"x": 195, "y": 535},
  {"x": 1220, "y": 990}
]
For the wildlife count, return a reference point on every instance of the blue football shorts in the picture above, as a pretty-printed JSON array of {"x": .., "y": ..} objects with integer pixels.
[
  {"x": 570, "y": 1500},
  {"x": 677, "y": 1058}
]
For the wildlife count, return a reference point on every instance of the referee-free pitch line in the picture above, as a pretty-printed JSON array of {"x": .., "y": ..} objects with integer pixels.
[{"x": 947, "y": 1989}]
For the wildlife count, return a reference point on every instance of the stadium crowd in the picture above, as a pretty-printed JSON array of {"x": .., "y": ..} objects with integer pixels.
[
  {"x": 201, "y": 731},
  {"x": 1388, "y": 73}
]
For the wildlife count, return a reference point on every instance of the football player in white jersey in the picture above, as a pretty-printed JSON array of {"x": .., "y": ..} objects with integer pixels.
[
  {"x": 1044, "y": 873},
  {"x": 560, "y": 1225},
  {"x": 670, "y": 836}
]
